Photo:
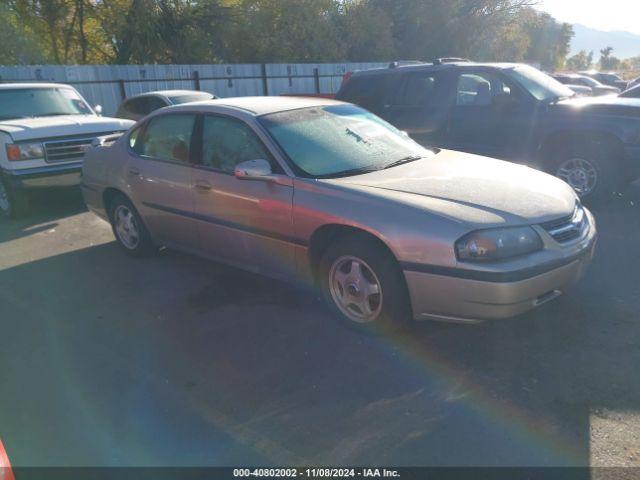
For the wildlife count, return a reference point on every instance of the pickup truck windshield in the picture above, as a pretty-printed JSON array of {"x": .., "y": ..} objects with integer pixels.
[
  {"x": 340, "y": 140},
  {"x": 539, "y": 84},
  {"x": 41, "y": 102}
]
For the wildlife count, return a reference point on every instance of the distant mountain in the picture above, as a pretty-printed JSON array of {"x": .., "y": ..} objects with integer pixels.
[{"x": 625, "y": 44}]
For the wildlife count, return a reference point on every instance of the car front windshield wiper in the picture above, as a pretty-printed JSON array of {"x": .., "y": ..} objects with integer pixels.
[
  {"x": 403, "y": 160},
  {"x": 13, "y": 117},
  {"x": 350, "y": 172}
]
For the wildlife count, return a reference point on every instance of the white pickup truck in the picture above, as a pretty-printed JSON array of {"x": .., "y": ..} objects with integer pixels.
[{"x": 45, "y": 130}]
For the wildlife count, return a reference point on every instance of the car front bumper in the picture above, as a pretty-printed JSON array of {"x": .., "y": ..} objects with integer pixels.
[
  {"x": 67, "y": 175},
  {"x": 459, "y": 298}
]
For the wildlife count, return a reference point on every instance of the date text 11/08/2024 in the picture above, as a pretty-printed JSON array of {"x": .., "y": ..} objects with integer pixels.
[{"x": 317, "y": 472}]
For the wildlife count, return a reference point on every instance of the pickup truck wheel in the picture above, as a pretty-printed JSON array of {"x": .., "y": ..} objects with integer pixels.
[
  {"x": 363, "y": 284},
  {"x": 128, "y": 228},
  {"x": 591, "y": 170},
  {"x": 13, "y": 203}
]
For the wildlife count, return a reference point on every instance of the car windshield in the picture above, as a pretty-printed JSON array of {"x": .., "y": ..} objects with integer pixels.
[
  {"x": 340, "y": 140},
  {"x": 41, "y": 102},
  {"x": 539, "y": 84},
  {"x": 190, "y": 97}
]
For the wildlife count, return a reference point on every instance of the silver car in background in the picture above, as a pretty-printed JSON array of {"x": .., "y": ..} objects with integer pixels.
[
  {"x": 325, "y": 193},
  {"x": 139, "y": 106}
]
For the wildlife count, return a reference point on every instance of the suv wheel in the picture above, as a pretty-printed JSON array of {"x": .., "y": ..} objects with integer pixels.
[
  {"x": 363, "y": 284},
  {"x": 13, "y": 203},
  {"x": 128, "y": 228},
  {"x": 590, "y": 169}
]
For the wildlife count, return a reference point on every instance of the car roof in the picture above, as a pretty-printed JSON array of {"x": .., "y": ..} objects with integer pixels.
[
  {"x": 431, "y": 67},
  {"x": 11, "y": 86},
  {"x": 167, "y": 93},
  {"x": 259, "y": 105}
]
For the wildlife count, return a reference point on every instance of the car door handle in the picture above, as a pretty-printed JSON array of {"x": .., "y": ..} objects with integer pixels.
[
  {"x": 134, "y": 172},
  {"x": 203, "y": 187}
]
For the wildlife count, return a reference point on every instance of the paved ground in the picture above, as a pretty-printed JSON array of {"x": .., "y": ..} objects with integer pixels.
[{"x": 173, "y": 360}]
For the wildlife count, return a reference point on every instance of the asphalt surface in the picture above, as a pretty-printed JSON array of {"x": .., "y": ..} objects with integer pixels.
[{"x": 172, "y": 360}]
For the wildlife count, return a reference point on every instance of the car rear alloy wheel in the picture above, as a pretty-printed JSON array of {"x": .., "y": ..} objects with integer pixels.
[
  {"x": 355, "y": 289},
  {"x": 126, "y": 227},
  {"x": 580, "y": 174}
]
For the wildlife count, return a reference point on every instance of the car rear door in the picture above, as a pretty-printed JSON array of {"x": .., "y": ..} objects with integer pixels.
[
  {"x": 418, "y": 105},
  {"x": 245, "y": 222},
  {"x": 159, "y": 173}
]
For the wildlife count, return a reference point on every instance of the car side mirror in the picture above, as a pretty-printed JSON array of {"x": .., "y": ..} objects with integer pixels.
[
  {"x": 258, "y": 169},
  {"x": 98, "y": 110}
]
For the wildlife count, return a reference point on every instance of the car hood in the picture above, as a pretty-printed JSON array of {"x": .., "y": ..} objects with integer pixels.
[
  {"x": 63, "y": 125},
  {"x": 473, "y": 189},
  {"x": 608, "y": 105}
]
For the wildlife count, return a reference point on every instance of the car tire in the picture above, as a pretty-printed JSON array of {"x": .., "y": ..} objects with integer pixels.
[
  {"x": 13, "y": 203},
  {"x": 128, "y": 228},
  {"x": 363, "y": 285},
  {"x": 591, "y": 168}
]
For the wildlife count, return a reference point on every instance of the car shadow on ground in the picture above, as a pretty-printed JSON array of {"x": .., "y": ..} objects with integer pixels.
[
  {"x": 46, "y": 208},
  {"x": 173, "y": 360}
]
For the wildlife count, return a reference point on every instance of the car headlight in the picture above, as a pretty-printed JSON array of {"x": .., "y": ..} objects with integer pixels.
[
  {"x": 24, "y": 151},
  {"x": 497, "y": 244}
]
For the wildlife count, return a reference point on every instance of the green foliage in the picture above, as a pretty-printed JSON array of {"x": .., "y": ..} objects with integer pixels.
[
  {"x": 256, "y": 31},
  {"x": 607, "y": 60},
  {"x": 580, "y": 61},
  {"x": 19, "y": 45}
]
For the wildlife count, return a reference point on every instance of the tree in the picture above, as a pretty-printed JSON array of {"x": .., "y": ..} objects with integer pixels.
[
  {"x": 549, "y": 39},
  {"x": 239, "y": 31},
  {"x": 607, "y": 60},
  {"x": 19, "y": 45},
  {"x": 580, "y": 61}
]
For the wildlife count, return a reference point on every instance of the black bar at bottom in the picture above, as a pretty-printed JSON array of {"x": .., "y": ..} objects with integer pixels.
[{"x": 404, "y": 473}]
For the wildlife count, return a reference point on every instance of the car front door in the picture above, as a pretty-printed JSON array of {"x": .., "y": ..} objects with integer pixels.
[
  {"x": 159, "y": 173},
  {"x": 490, "y": 116},
  {"x": 245, "y": 222}
]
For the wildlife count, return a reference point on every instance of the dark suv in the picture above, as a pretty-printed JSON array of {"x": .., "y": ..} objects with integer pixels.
[{"x": 509, "y": 111}]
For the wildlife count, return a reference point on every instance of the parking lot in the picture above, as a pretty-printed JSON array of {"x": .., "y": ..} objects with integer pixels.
[{"x": 172, "y": 360}]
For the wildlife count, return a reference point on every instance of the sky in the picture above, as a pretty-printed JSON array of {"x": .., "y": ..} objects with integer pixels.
[{"x": 599, "y": 14}]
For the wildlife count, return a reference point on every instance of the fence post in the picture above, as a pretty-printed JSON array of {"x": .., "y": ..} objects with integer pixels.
[
  {"x": 316, "y": 78},
  {"x": 265, "y": 82},
  {"x": 196, "y": 79},
  {"x": 123, "y": 92}
]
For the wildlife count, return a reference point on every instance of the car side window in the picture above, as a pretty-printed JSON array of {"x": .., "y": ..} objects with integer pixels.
[
  {"x": 418, "y": 90},
  {"x": 134, "y": 136},
  {"x": 135, "y": 106},
  {"x": 480, "y": 89},
  {"x": 366, "y": 91},
  {"x": 226, "y": 142},
  {"x": 153, "y": 104},
  {"x": 167, "y": 137}
]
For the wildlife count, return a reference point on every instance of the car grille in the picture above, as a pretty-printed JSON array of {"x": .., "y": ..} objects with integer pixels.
[
  {"x": 568, "y": 228},
  {"x": 67, "y": 149}
]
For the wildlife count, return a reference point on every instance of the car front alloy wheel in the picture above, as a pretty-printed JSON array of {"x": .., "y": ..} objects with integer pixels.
[
  {"x": 580, "y": 174},
  {"x": 363, "y": 284},
  {"x": 355, "y": 289}
]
